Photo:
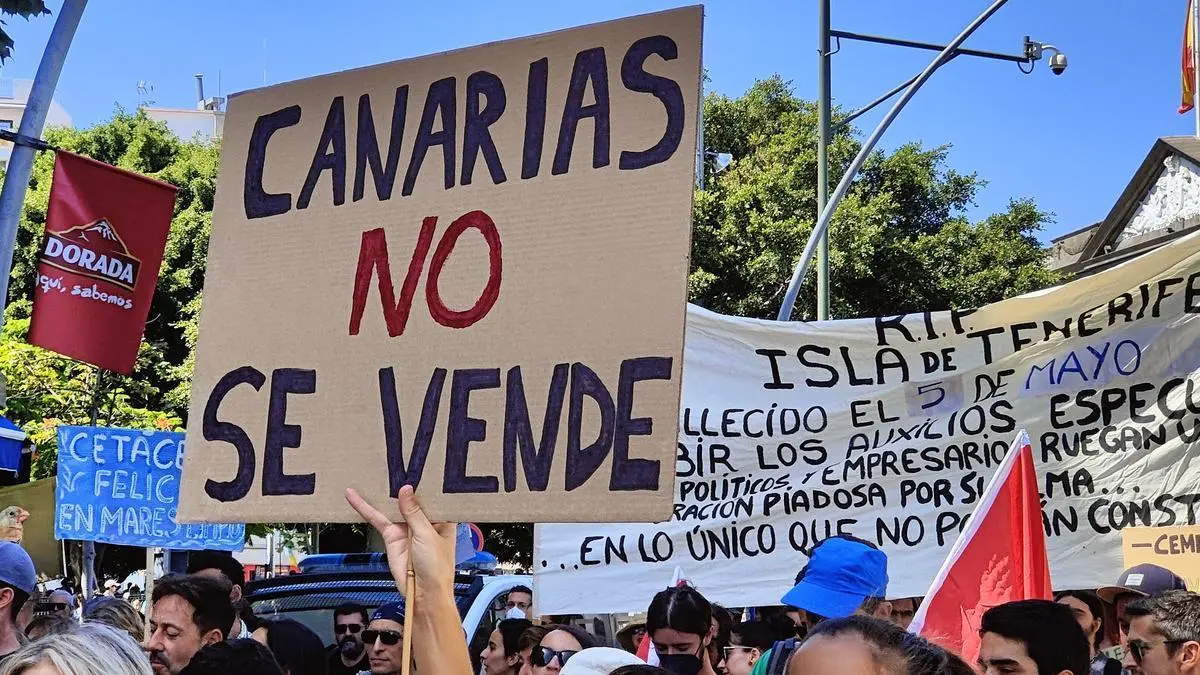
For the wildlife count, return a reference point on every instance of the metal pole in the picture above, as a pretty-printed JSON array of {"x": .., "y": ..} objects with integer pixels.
[
  {"x": 701, "y": 153},
  {"x": 149, "y": 588},
  {"x": 847, "y": 119},
  {"x": 89, "y": 548},
  {"x": 824, "y": 106},
  {"x": 789, "y": 300},
  {"x": 33, "y": 118},
  {"x": 914, "y": 44}
]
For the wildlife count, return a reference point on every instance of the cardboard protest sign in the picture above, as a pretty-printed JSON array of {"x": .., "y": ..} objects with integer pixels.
[
  {"x": 121, "y": 486},
  {"x": 888, "y": 429},
  {"x": 1176, "y": 548},
  {"x": 465, "y": 272},
  {"x": 37, "y": 498}
]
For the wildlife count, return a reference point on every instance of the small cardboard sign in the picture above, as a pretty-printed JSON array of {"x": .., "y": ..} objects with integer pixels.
[
  {"x": 121, "y": 486},
  {"x": 1176, "y": 548},
  {"x": 465, "y": 272}
]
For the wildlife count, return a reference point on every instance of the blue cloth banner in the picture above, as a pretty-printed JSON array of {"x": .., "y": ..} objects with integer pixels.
[{"x": 121, "y": 486}]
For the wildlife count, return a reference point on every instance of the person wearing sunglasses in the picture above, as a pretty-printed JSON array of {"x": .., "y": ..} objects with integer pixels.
[
  {"x": 439, "y": 645},
  {"x": 1032, "y": 637},
  {"x": 556, "y": 649},
  {"x": 529, "y": 641},
  {"x": 348, "y": 655},
  {"x": 384, "y": 638},
  {"x": 752, "y": 639},
  {"x": 1164, "y": 634}
]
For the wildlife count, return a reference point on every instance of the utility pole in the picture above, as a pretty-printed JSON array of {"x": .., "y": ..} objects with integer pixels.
[
  {"x": 824, "y": 106},
  {"x": 33, "y": 118}
]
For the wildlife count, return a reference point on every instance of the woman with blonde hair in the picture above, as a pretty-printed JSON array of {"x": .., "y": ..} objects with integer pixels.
[
  {"x": 117, "y": 613},
  {"x": 90, "y": 649}
]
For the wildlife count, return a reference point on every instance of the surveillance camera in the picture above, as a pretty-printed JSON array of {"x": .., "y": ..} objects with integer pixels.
[{"x": 1058, "y": 64}]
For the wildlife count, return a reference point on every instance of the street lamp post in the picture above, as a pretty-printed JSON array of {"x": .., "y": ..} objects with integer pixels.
[
  {"x": 824, "y": 110},
  {"x": 946, "y": 53}
]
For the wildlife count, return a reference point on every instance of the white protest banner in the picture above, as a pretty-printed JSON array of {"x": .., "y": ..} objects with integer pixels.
[
  {"x": 888, "y": 429},
  {"x": 465, "y": 272}
]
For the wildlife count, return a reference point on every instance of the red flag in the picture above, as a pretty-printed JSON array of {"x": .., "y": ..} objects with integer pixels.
[
  {"x": 105, "y": 233},
  {"x": 1188, "y": 69},
  {"x": 999, "y": 557}
]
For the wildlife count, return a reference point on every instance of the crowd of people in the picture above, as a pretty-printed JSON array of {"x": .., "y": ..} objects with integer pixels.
[{"x": 836, "y": 619}]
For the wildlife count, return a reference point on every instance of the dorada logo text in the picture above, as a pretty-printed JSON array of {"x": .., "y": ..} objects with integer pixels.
[{"x": 94, "y": 250}]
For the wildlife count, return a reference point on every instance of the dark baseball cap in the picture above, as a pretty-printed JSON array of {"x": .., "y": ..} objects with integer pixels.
[
  {"x": 1145, "y": 580},
  {"x": 841, "y": 573},
  {"x": 16, "y": 568},
  {"x": 222, "y": 561},
  {"x": 392, "y": 611}
]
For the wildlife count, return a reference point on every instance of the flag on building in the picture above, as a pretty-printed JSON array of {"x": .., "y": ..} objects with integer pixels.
[
  {"x": 999, "y": 557},
  {"x": 1189, "y": 60},
  {"x": 106, "y": 229},
  {"x": 645, "y": 649}
]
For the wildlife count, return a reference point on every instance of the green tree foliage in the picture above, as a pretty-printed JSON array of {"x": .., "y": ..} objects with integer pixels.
[
  {"x": 46, "y": 389},
  {"x": 135, "y": 142},
  {"x": 899, "y": 241},
  {"x": 22, "y": 8}
]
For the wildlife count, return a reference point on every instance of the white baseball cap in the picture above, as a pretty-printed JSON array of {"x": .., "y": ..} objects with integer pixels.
[{"x": 599, "y": 661}]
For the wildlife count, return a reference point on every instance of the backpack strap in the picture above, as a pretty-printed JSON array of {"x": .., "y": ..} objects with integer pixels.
[{"x": 781, "y": 653}]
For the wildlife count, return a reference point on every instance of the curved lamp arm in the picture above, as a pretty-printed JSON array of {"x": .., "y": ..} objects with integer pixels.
[{"x": 789, "y": 300}]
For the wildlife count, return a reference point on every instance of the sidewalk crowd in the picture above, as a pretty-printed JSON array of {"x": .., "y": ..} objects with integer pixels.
[{"x": 835, "y": 620}]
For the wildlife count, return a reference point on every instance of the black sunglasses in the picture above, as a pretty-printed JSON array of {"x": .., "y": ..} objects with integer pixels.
[
  {"x": 388, "y": 637},
  {"x": 1139, "y": 649},
  {"x": 353, "y": 628},
  {"x": 542, "y": 656}
]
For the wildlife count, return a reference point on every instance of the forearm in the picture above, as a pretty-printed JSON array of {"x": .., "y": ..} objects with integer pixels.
[{"x": 438, "y": 642}]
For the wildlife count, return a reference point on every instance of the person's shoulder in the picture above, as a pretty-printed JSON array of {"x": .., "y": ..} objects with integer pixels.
[{"x": 1113, "y": 667}]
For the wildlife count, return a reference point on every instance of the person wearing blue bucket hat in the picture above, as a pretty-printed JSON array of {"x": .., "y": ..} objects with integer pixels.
[{"x": 843, "y": 576}]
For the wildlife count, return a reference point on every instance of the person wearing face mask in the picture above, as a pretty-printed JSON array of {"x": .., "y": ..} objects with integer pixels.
[
  {"x": 557, "y": 648},
  {"x": 502, "y": 656},
  {"x": 680, "y": 625}
]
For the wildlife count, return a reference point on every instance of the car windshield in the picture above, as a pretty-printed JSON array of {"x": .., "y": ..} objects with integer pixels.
[{"x": 314, "y": 608}]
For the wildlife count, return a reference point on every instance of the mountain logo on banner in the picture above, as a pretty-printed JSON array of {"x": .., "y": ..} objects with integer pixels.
[{"x": 94, "y": 250}]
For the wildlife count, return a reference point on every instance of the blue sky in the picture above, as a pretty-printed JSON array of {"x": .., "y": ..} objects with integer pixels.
[{"x": 1071, "y": 142}]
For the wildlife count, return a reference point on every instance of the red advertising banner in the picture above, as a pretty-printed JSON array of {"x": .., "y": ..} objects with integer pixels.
[{"x": 105, "y": 233}]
